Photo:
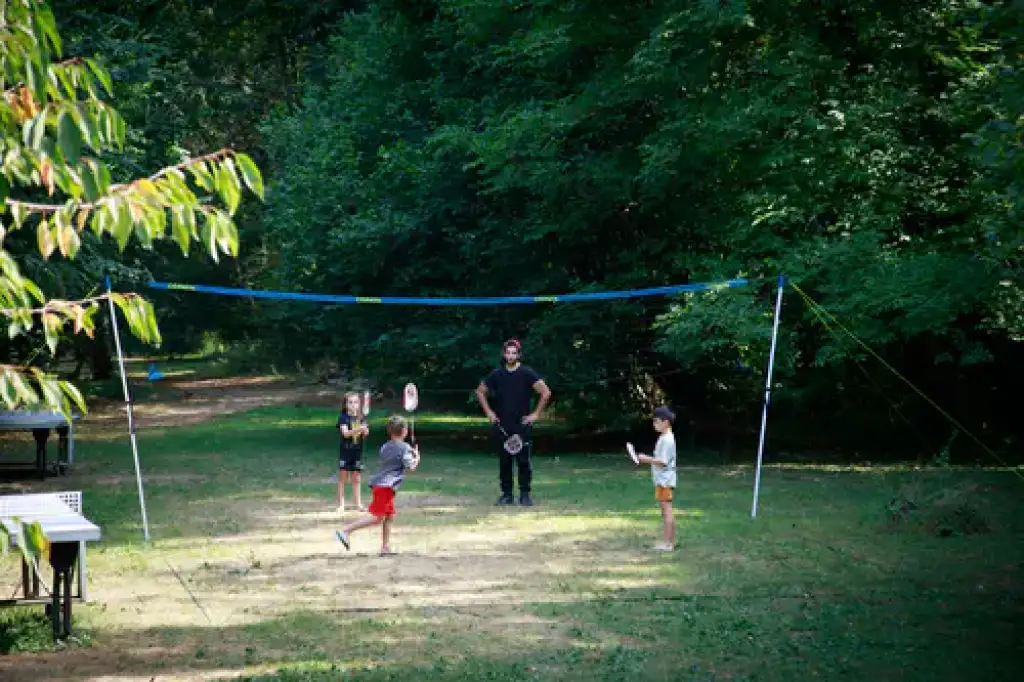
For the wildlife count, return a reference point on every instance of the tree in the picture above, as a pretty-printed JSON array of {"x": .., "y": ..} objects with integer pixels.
[
  {"x": 56, "y": 182},
  {"x": 480, "y": 147}
]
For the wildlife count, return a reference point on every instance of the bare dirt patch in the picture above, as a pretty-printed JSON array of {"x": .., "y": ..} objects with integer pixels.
[
  {"x": 188, "y": 402},
  {"x": 195, "y": 608},
  {"x": 150, "y": 478}
]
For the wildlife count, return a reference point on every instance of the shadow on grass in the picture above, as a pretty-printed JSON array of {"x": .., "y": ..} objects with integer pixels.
[
  {"x": 563, "y": 590},
  {"x": 631, "y": 635}
]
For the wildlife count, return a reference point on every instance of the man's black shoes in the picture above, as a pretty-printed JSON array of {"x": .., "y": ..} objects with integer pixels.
[{"x": 506, "y": 500}]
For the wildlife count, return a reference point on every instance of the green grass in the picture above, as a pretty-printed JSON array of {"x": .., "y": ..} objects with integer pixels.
[
  {"x": 24, "y": 629},
  {"x": 244, "y": 578}
]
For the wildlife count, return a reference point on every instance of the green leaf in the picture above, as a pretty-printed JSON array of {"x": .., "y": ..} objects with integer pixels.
[
  {"x": 35, "y": 81},
  {"x": 70, "y": 138},
  {"x": 122, "y": 226},
  {"x": 191, "y": 222},
  {"x": 228, "y": 185},
  {"x": 18, "y": 213},
  {"x": 149, "y": 317},
  {"x": 131, "y": 315},
  {"x": 229, "y": 237},
  {"x": 67, "y": 182},
  {"x": 101, "y": 75},
  {"x": 33, "y": 290},
  {"x": 180, "y": 229},
  {"x": 103, "y": 178},
  {"x": 209, "y": 235},
  {"x": 102, "y": 219},
  {"x": 49, "y": 388},
  {"x": 38, "y": 130},
  {"x": 251, "y": 174},
  {"x": 89, "y": 183},
  {"x": 44, "y": 15},
  {"x": 156, "y": 219},
  {"x": 51, "y": 329},
  {"x": 23, "y": 392},
  {"x": 121, "y": 131},
  {"x": 6, "y": 394},
  {"x": 34, "y": 544},
  {"x": 26, "y": 131},
  {"x": 202, "y": 176},
  {"x": 66, "y": 80},
  {"x": 108, "y": 120},
  {"x": 90, "y": 129},
  {"x": 76, "y": 396},
  {"x": 144, "y": 231}
]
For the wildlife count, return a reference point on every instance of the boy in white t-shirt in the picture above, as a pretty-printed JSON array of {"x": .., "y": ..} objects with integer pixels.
[{"x": 663, "y": 471}]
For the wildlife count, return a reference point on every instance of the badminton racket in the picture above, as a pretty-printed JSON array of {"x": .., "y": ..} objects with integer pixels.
[
  {"x": 513, "y": 444},
  {"x": 411, "y": 400},
  {"x": 365, "y": 413}
]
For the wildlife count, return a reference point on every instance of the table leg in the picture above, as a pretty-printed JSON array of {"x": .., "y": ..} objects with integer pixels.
[
  {"x": 41, "y": 435},
  {"x": 62, "y": 448},
  {"x": 62, "y": 559},
  {"x": 55, "y": 606},
  {"x": 67, "y": 600},
  {"x": 26, "y": 585}
]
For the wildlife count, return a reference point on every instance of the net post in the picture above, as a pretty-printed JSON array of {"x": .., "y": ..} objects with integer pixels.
[
  {"x": 767, "y": 397},
  {"x": 128, "y": 405}
]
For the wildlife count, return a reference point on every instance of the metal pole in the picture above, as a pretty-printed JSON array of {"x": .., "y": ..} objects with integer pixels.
[
  {"x": 128, "y": 404},
  {"x": 767, "y": 397}
]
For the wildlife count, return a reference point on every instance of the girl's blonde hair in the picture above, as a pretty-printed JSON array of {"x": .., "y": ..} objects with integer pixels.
[{"x": 349, "y": 396}]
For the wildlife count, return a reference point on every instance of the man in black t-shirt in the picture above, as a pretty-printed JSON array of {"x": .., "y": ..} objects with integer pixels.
[{"x": 510, "y": 387}]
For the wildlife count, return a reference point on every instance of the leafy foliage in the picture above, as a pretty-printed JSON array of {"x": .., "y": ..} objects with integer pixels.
[
  {"x": 488, "y": 148},
  {"x": 56, "y": 129}
]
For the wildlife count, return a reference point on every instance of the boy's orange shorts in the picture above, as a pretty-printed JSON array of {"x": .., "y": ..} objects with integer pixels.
[
  {"x": 383, "y": 503},
  {"x": 662, "y": 494}
]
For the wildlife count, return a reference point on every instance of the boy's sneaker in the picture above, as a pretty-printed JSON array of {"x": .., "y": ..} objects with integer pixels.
[
  {"x": 505, "y": 500},
  {"x": 343, "y": 537},
  {"x": 526, "y": 500}
]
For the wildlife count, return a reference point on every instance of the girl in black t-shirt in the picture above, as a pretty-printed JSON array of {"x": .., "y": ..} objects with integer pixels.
[{"x": 354, "y": 431}]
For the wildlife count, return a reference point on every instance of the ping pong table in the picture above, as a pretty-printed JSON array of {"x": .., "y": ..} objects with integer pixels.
[
  {"x": 59, "y": 515},
  {"x": 40, "y": 423}
]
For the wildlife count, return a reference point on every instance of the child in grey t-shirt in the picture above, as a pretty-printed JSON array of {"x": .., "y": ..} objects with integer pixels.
[{"x": 396, "y": 457}]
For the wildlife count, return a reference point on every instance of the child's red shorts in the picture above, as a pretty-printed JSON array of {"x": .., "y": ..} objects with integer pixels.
[{"x": 383, "y": 503}]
